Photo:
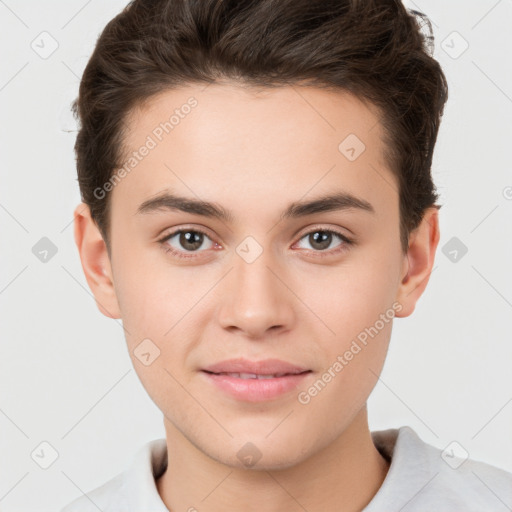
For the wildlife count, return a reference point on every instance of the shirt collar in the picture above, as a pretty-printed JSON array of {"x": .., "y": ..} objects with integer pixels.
[
  {"x": 148, "y": 464},
  {"x": 410, "y": 467}
]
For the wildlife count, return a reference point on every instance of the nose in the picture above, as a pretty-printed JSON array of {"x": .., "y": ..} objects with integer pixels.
[{"x": 255, "y": 299}]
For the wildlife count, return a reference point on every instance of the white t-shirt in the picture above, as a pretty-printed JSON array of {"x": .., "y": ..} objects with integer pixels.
[{"x": 421, "y": 478}]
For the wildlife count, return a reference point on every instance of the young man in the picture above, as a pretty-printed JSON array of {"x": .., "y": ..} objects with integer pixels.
[{"x": 258, "y": 208}]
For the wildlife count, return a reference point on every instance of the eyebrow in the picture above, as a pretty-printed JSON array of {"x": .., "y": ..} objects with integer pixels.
[{"x": 333, "y": 202}]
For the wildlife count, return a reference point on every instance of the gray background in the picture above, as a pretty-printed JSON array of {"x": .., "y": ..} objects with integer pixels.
[{"x": 65, "y": 375}]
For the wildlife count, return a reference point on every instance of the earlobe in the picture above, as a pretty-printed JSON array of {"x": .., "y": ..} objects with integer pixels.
[
  {"x": 95, "y": 261},
  {"x": 418, "y": 261}
]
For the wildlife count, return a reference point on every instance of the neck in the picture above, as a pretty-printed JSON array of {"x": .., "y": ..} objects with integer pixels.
[{"x": 342, "y": 476}]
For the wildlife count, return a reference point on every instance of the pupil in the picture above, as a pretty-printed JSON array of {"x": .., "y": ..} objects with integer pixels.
[
  {"x": 321, "y": 238},
  {"x": 191, "y": 240}
]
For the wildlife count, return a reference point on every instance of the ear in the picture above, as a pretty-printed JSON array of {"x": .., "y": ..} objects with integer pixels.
[
  {"x": 418, "y": 261},
  {"x": 95, "y": 261}
]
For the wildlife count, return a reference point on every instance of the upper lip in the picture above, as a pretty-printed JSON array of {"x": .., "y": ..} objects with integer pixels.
[{"x": 264, "y": 367}]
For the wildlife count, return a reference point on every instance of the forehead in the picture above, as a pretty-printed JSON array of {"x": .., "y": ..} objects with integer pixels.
[{"x": 221, "y": 139}]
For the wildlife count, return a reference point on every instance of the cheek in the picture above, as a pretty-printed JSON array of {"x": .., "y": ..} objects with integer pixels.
[
  {"x": 155, "y": 321},
  {"x": 354, "y": 305},
  {"x": 154, "y": 296},
  {"x": 353, "y": 359},
  {"x": 349, "y": 297},
  {"x": 161, "y": 311}
]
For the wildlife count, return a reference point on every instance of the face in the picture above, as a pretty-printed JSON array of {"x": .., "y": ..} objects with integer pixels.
[{"x": 270, "y": 269}]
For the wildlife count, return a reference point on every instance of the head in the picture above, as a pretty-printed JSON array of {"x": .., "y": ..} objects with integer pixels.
[{"x": 243, "y": 113}]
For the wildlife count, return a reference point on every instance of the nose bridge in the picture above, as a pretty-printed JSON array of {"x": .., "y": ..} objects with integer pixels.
[{"x": 254, "y": 300}]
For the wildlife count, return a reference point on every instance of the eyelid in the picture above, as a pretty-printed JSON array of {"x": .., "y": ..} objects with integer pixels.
[
  {"x": 322, "y": 227},
  {"x": 170, "y": 232}
]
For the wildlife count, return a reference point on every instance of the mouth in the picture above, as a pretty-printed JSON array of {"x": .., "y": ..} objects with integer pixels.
[
  {"x": 258, "y": 376},
  {"x": 256, "y": 387},
  {"x": 248, "y": 368}
]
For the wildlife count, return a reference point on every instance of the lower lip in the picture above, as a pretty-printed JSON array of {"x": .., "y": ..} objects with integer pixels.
[{"x": 256, "y": 390}]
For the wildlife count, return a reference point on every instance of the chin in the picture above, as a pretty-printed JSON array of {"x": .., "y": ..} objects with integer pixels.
[{"x": 261, "y": 455}]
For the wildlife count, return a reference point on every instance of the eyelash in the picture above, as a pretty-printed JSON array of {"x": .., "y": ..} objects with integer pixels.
[{"x": 180, "y": 254}]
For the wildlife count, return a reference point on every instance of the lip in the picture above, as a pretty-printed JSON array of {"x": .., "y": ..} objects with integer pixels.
[
  {"x": 256, "y": 390},
  {"x": 253, "y": 389},
  {"x": 264, "y": 367}
]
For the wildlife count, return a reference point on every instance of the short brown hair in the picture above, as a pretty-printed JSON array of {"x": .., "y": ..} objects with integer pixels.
[{"x": 374, "y": 49}]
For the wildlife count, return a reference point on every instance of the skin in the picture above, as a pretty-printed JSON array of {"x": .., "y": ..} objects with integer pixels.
[{"x": 254, "y": 152}]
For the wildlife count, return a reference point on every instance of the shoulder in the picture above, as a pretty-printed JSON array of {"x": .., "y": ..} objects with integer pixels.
[
  {"x": 423, "y": 477},
  {"x": 131, "y": 489}
]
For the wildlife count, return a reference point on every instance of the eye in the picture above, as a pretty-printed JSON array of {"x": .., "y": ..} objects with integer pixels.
[
  {"x": 321, "y": 239},
  {"x": 194, "y": 241},
  {"x": 186, "y": 240}
]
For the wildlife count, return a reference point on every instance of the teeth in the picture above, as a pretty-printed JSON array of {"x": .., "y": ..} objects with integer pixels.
[{"x": 253, "y": 375}]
